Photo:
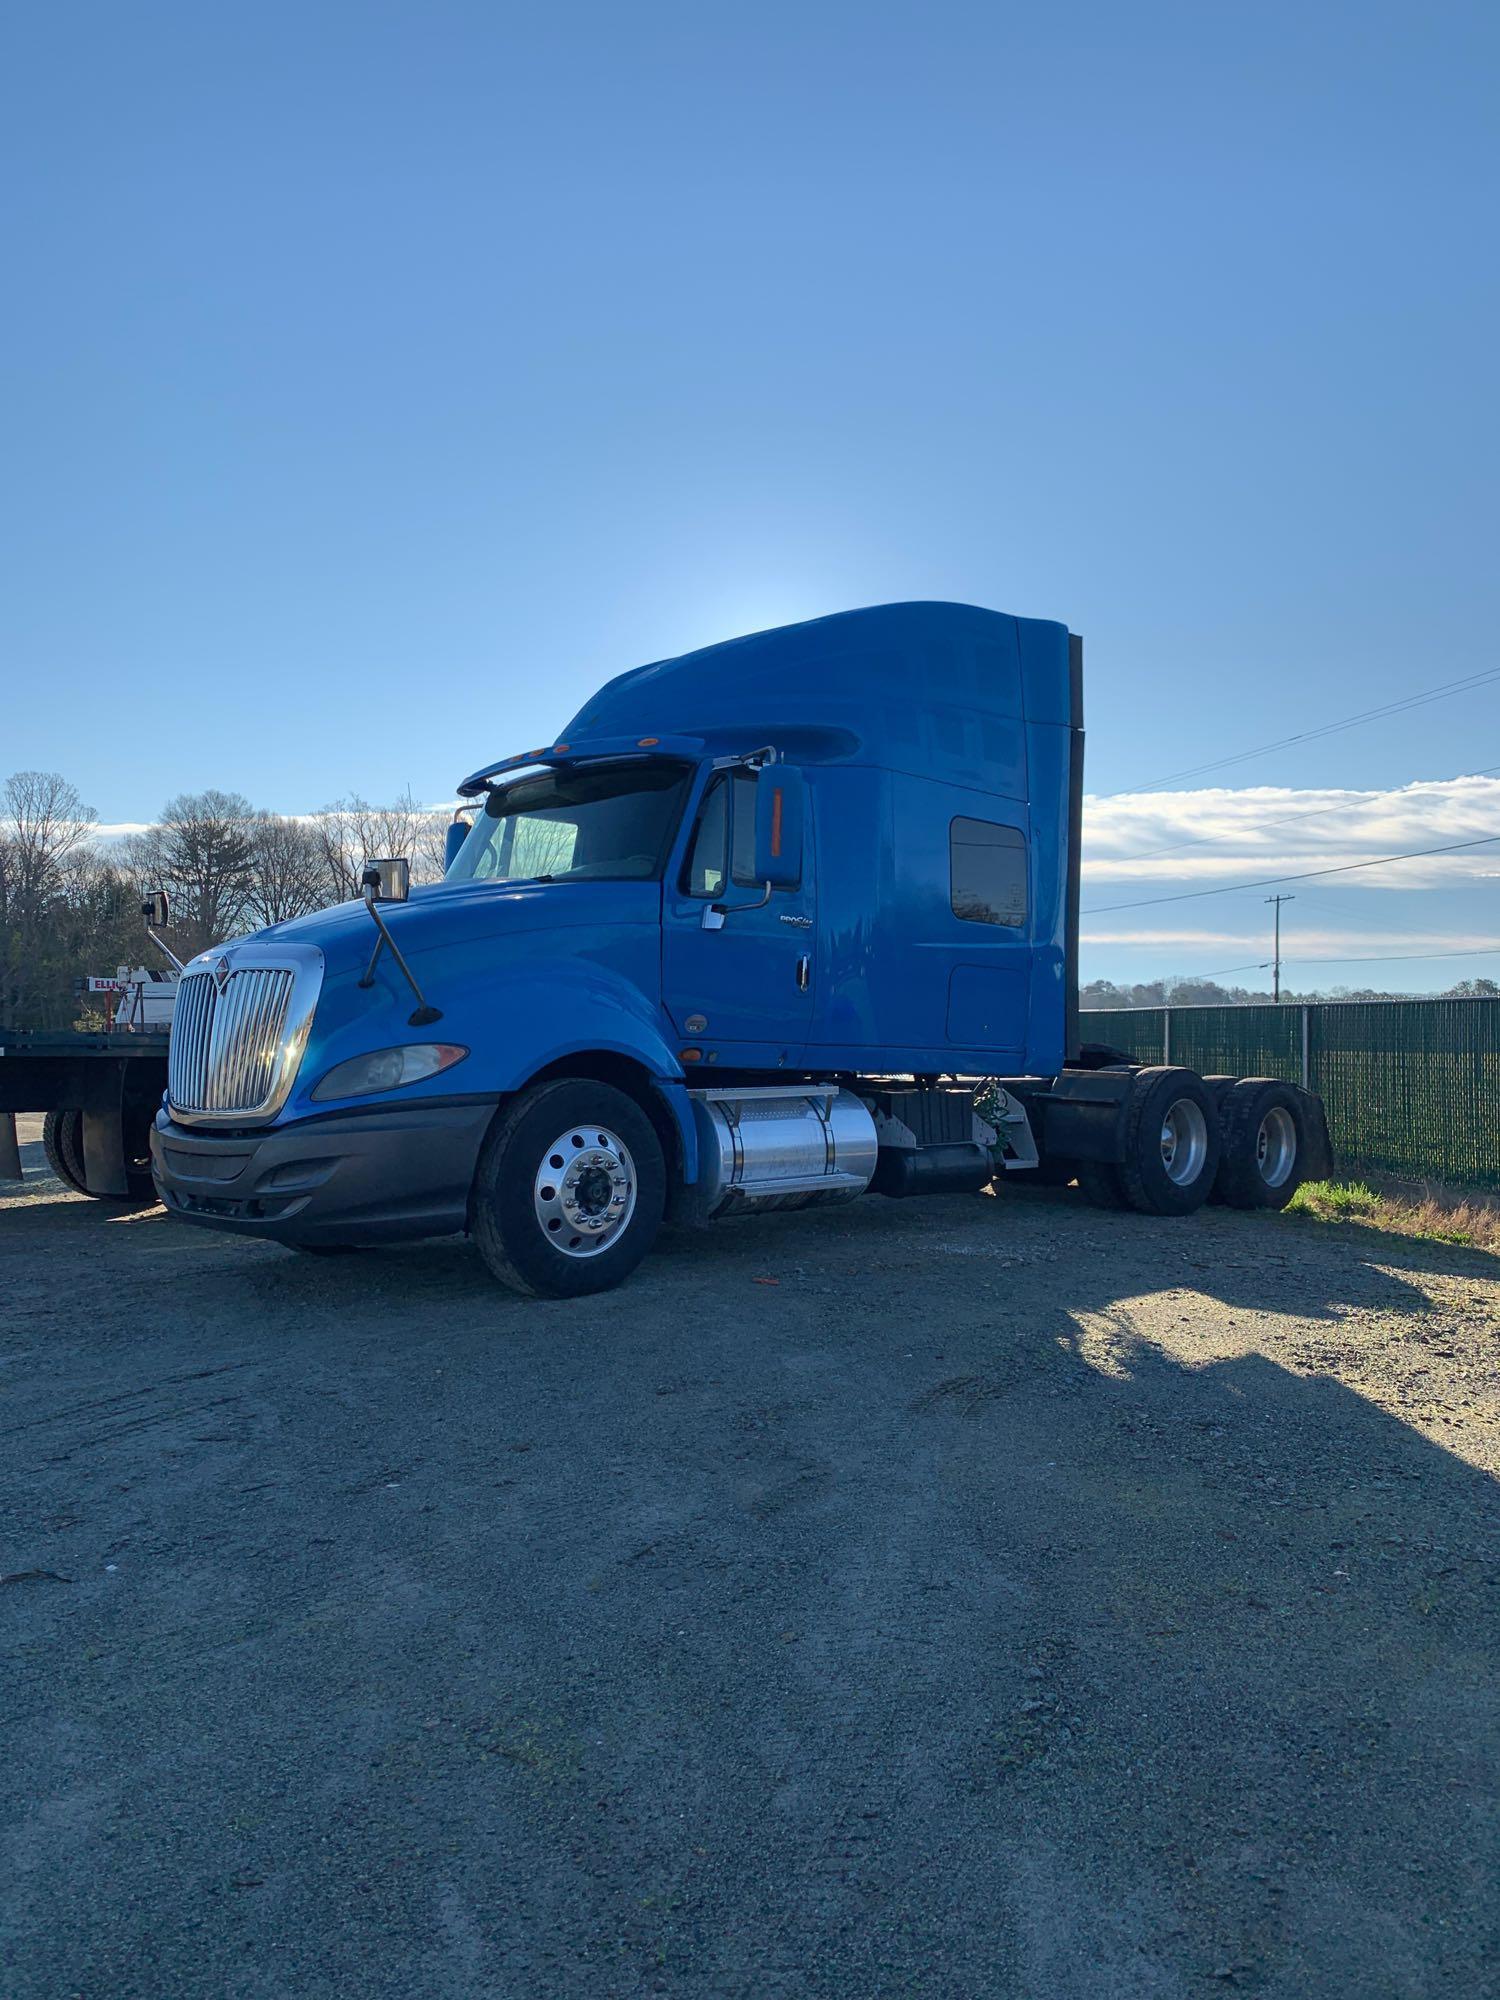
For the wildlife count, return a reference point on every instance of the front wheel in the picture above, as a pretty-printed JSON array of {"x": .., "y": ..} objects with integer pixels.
[{"x": 570, "y": 1189}]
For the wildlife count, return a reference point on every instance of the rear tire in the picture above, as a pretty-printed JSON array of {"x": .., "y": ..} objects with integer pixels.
[
  {"x": 1218, "y": 1085},
  {"x": 569, "y": 1192},
  {"x": 1172, "y": 1142},
  {"x": 1266, "y": 1143}
]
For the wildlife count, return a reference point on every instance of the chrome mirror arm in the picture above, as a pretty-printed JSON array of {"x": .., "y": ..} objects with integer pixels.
[
  {"x": 165, "y": 949},
  {"x": 424, "y": 1014},
  {"x": 715, "y": 913}
]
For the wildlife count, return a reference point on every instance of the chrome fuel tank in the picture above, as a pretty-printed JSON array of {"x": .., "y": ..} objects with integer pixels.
[{"x": 784, "y": 1146}]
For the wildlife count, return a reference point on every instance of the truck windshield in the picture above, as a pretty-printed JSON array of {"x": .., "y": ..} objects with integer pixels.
[{"x": 611, "y": 821}]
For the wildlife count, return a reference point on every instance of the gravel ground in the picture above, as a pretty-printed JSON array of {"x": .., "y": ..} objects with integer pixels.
[{"x": 972, "y": 1597}]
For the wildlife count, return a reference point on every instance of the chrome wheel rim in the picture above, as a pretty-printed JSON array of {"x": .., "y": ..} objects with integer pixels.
[
  {"x": 1276, "y": 1146},
  {"x": 1184, "y": 1142},
  {"x": 584, "y": 1191}
]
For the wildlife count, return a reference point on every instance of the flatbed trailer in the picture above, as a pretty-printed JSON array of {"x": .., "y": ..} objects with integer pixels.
[{"x": 99, "y": 1093}]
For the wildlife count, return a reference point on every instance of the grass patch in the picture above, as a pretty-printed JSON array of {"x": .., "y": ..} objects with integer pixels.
[{"x": 1441, "y": 1215}]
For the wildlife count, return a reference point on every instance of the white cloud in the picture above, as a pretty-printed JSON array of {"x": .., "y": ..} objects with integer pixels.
[
  {"x": 1307, "y": 940},
  {"x": 1201, "y": 838}
]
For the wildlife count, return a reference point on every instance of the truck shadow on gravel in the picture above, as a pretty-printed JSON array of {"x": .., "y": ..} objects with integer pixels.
[{"x": 966, "y": 1602}]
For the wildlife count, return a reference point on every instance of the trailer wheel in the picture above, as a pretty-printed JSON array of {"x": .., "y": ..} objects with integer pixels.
[
  {"x": 1265, "y": 1137},
  {"x": 569, "y": 1192},
  {"x": 1172, "y": 1142},
  {"x": 62, "y": 1142}
]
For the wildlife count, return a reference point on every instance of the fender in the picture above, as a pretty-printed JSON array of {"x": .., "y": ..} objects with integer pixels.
[
  {"x": 583, "y": 1009},
  {"x": 533, "y": 1016},
  {"x": 522, "y": 1019}
]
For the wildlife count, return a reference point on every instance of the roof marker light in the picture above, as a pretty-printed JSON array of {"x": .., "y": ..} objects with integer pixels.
[{"x": 648, "y": 743}]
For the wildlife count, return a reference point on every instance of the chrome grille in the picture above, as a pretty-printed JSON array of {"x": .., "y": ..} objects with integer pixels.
[{"x": 229, "y": 1048}]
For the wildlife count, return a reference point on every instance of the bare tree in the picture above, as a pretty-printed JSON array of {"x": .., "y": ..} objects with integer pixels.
[
  {"x": 63, "y": 909},
  {"x": 429, "y": 855},
  {"x": 287, "y": 873},
  {"x": 43, "y": 821},
  {"x": 353, "y": 832},
  {"x": 200, "y": 852}
]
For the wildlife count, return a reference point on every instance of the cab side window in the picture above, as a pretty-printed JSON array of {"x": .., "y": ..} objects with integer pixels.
[
  {"x": 988, "y": 868},
  {"x": 730, "y": 798}
]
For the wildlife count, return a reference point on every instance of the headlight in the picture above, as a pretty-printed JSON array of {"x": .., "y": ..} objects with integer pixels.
[{"x": 385, "y": 1069}]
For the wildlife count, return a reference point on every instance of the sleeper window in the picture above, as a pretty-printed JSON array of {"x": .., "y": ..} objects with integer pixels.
[{"x": 988, "y": 872}]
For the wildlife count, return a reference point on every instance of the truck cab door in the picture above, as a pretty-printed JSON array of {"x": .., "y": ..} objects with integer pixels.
[{"x": 737, "y": 972}]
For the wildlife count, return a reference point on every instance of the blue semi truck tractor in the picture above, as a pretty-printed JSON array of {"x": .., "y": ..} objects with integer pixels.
[{"x": 776, "y": 924}]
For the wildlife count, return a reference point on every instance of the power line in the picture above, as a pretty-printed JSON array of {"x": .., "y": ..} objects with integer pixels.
[
  {"x": 1386, "y": 923},
  {"x": 1400, "y": 957},
  {"x": 1211, "y": 839},
  {"x": 1308, "y": 875},
  {"x": 1400, "y": 707}
]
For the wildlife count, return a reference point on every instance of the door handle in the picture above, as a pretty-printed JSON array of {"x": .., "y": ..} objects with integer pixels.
[{"x": 804, "y": 973}]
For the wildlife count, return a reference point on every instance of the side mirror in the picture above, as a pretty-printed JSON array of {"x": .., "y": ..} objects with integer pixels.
[
  {"x": 780, "y": 812},
  {"x": 154, "y": 910},
  {"x": 453, "y": 840},
  {"x": 386, "y": 881}
]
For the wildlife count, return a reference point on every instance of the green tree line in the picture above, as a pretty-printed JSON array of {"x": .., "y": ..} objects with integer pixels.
[{"x": 1104, "y": 993}]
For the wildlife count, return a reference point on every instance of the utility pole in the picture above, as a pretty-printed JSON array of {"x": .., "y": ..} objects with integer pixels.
[{"x": 1276, "y": 948}]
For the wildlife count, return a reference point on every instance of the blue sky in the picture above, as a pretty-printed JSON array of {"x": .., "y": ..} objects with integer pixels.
[{"x": 378, "y": 378}]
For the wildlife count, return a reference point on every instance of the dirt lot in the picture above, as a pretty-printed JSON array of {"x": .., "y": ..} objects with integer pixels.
[{"x": 978, "y": 1597}]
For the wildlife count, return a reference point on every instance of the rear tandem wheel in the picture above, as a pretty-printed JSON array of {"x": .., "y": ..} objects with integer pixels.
[{"x": 1172, "y": 1147}]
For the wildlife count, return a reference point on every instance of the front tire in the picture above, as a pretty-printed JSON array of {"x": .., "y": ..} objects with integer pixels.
[{"x": 570, "y": 1189}]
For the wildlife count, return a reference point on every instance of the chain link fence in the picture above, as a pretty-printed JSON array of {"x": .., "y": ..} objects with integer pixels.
[{"x": 1412, "y": 1087}]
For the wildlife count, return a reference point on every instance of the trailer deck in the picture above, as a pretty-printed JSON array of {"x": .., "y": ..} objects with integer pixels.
[{"x": 113, "y": 1080}]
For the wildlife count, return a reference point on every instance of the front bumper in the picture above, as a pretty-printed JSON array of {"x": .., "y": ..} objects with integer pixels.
[{"x": 366, "y": 1177}]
